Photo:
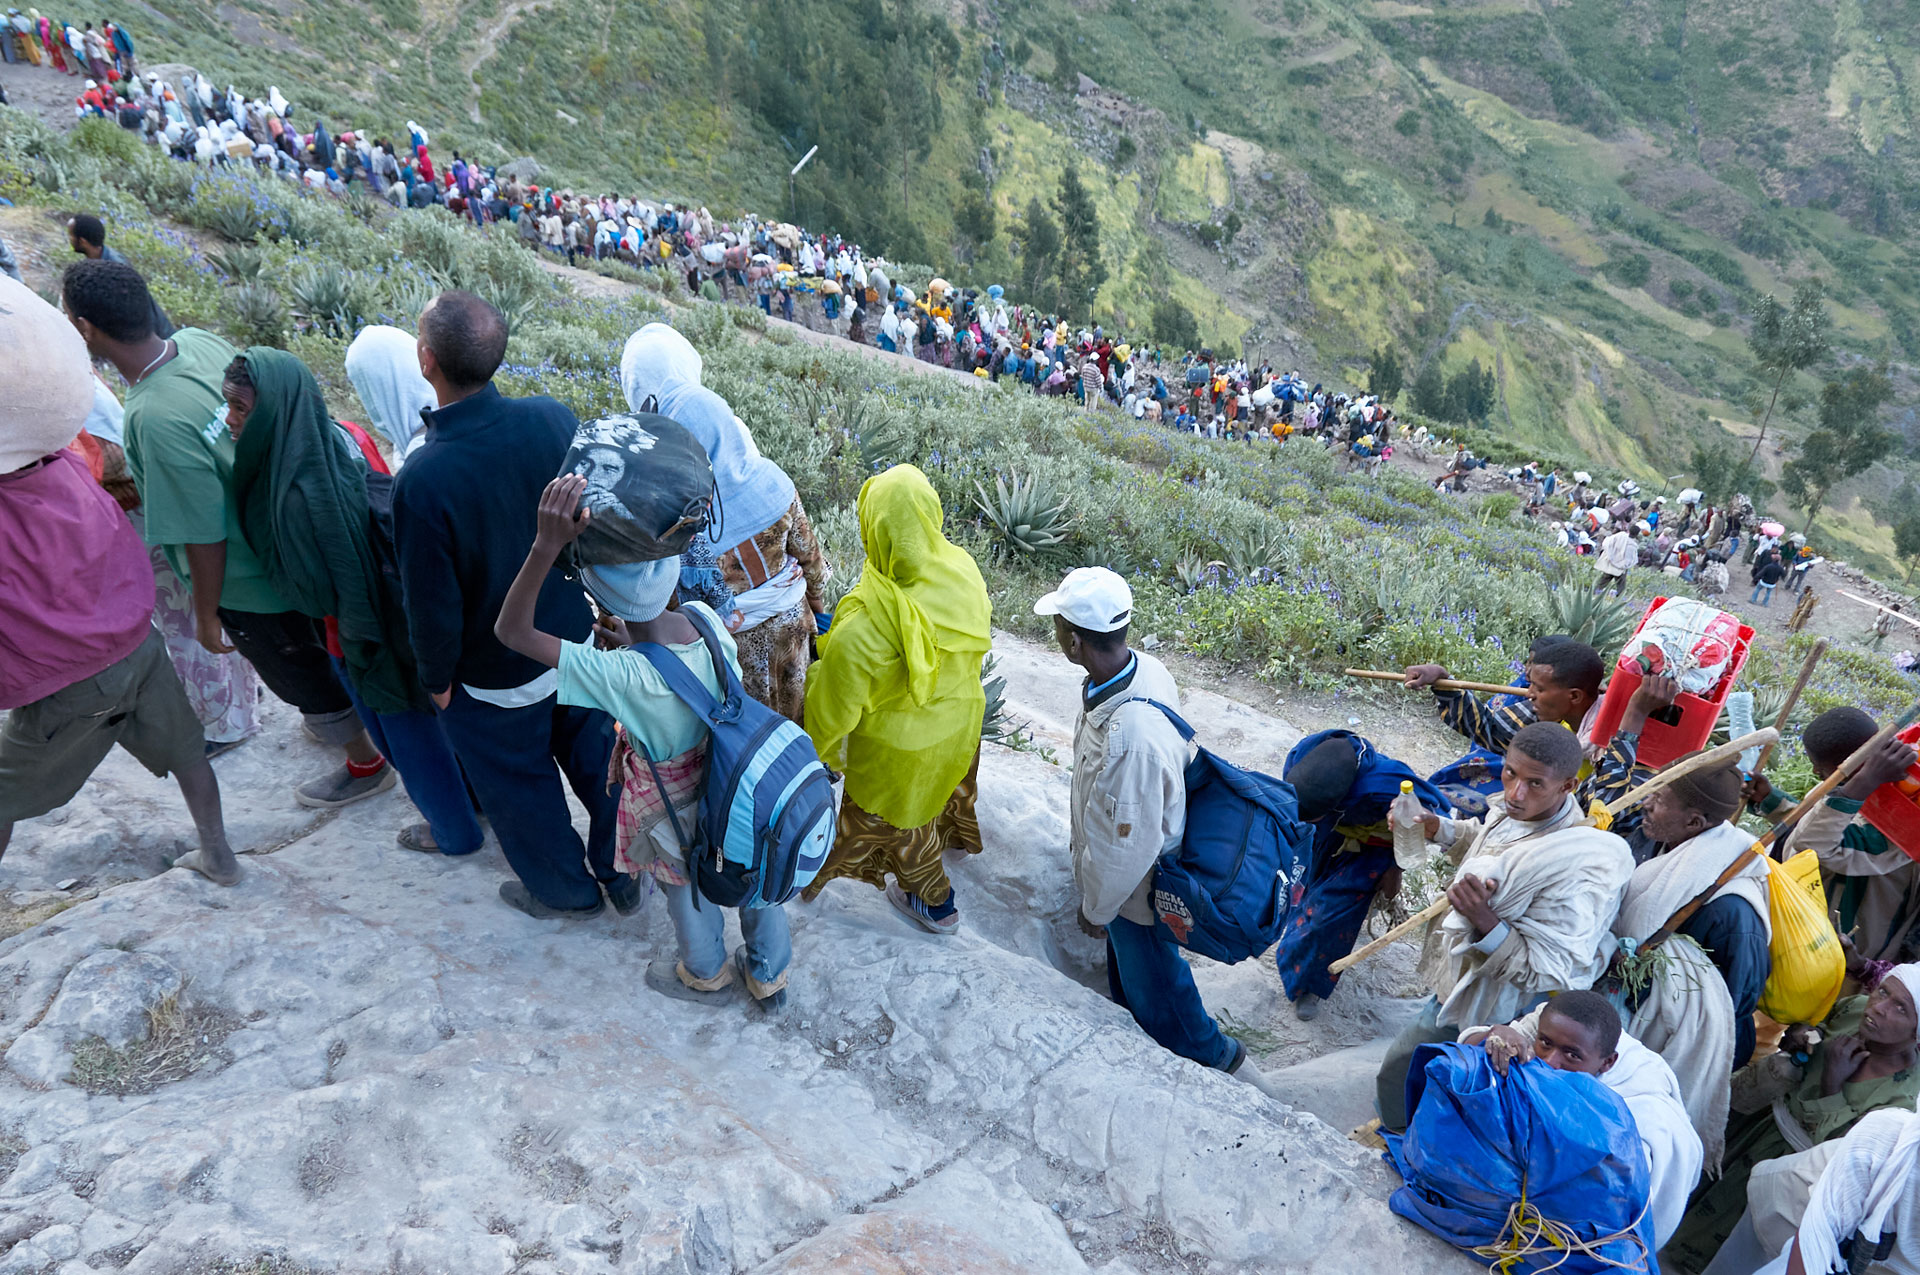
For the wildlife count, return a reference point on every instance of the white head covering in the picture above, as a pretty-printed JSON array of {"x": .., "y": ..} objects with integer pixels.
[
  {"x": 751, "y": 492},
  {"x": 44, "y": 399},
  {"x": 656, "y": 359},
  {"x": 384, "y": 365},
  {"x": 1909, "y": 976}
]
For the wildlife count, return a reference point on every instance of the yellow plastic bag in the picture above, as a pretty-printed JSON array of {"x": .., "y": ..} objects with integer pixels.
[{"x": 1808, "y": 965}]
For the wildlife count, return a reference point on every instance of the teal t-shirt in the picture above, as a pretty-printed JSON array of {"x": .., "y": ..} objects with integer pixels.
[
  {"x": 180, "y": 454},
  {"x": 625, "y": 685}
]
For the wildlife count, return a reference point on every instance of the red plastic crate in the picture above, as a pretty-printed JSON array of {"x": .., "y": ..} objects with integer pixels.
[
  {"x": 1689, "y": 723},
  {"x": 1895, "y": 808}
]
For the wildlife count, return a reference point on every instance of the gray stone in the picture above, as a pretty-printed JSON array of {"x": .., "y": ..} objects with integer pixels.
[
  {"x": 59, "y": 1242},
  {"x": 106, "y": 995}
]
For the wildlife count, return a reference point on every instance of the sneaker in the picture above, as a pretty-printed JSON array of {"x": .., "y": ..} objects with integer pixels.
[
  {"x": 911, "y": 907},
  {"x": 624, "y": 893},
  {"x": 516, "y": 895},
  {"x": 343, "y": 788},
  {"x": 1307, "y": 1007}
]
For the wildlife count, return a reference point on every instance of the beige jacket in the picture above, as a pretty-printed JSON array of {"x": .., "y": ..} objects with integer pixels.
[{"x": 1129, "y": 795}]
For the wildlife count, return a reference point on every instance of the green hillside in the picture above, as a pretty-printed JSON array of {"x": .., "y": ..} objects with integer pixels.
[{"x": 1585, "y": 198}]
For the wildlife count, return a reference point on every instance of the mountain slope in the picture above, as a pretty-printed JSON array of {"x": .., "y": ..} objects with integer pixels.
[{"x": 1585, "y": 198}]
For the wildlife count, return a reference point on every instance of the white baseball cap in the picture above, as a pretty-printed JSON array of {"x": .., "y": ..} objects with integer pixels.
[{"x": 1090, "y": 598}]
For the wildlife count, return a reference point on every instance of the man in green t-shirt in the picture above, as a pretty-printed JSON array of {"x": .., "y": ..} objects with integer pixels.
[{"x": 180, "y": 454}]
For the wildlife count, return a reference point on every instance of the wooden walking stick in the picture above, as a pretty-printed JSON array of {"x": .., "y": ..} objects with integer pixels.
[
  {"x": 1786, "y": 711},
  {"x": 1844, "y": 771},
  {"x": 1705, "y": 761},
  {"x": 1444, "y": 684}
]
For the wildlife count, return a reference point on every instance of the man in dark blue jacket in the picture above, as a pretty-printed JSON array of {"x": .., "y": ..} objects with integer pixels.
[{"x": 463, "y": 513}]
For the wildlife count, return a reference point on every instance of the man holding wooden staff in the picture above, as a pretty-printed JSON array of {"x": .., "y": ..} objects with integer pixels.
[{"x": 1533, "y": 904}]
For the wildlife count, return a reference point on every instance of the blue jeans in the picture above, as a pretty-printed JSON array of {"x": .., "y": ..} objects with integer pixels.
[
  {"x": 1150, "y": 980},
  {"x": 514, "y": 757},
  {"x": 1768, "y": 602},
  {"x": 701, "y": 934},
  {"x": 418, "y": 749}
]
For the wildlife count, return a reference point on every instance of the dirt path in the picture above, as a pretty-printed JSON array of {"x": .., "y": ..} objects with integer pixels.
[
  {"x": 41, "y": 91},
  {"x": 488, "y": 44},
  {"x": 589, "y": 284}
]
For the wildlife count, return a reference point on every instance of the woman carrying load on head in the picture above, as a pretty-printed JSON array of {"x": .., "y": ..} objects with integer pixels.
[
  {"x": 759, "y": 565},
  {"x": 895, "y": 702}
]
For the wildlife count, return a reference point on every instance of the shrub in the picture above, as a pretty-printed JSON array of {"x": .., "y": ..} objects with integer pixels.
[{"x": 256, "y": 315}]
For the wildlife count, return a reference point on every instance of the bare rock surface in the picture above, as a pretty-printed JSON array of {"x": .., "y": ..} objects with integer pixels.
[{"x": 381, "y": 1068}]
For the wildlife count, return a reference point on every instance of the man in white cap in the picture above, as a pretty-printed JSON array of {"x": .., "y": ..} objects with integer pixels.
[
  {"x": 1129, "y": 806},
  {"x": 81, "y": 666}
]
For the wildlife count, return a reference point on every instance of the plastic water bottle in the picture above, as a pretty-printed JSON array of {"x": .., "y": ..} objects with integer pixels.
[{"x": 1408, "y": 816}]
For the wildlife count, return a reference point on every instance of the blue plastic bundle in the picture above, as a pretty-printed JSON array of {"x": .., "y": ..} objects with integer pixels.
[{"x": 1560, "y": 1142}]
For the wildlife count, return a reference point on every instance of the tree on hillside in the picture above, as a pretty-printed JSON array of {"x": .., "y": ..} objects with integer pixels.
[
  {"x": 1848, "y": 439},
  {"x": 1081, "y": 271},
  {"x": 1173, "y": 325},
  {"x": 1906, "y": 543},
  {"x": 1385, "y": 376},
  {"x": 1471, "y": 394},
  {"x": 1039, "y": 243},
  {"x": 1721, "y": 474},
  {"x": 1430, "y": 392},
  {"x": 1785, "y": 340}
]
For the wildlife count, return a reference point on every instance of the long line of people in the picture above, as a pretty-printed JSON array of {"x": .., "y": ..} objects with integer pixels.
[{"x": 434, "y": 622}]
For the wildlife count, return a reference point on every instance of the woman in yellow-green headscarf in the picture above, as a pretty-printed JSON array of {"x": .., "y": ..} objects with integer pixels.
[{"x": 895, "y": 702}]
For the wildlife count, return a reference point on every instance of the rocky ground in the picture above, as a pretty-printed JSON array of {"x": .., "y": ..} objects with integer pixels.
[{"x": 358, "y": 1060}]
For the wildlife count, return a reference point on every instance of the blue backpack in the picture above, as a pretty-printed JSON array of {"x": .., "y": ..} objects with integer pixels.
[
  {"x": 767, "y": 818},
  {"x": 1245, "y": 855}
]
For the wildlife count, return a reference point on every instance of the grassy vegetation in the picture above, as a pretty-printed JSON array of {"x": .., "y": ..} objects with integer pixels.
[{"x": 1267, "y": 558}]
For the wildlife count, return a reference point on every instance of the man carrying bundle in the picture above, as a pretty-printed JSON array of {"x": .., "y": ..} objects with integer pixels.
[
  {"x": 1581, "y": 1031},
  {"x": 1532, "y": 905}
]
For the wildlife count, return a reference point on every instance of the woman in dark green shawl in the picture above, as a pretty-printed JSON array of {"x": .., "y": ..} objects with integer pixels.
[{"x": 303, "y": 487}]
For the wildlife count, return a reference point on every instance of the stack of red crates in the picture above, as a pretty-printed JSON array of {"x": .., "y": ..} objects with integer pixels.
[
  {"x": 1688, "y": 725},
  {"x": 1895, "y": 808}
]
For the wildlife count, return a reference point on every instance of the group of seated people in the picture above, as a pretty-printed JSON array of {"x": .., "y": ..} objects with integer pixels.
[{"x": 1638, "y": 954}]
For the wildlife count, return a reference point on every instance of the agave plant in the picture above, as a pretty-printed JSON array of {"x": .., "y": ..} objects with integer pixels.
[
  {"x": 1099, "y": 550},
  {"x": 996, "y": 727},
  {"x": 1191, "y": 574},
  {"x": 1254, "y": 554},
  {"x": 328, "y": 297},
  {"x": 1603, "y": 623},
  {"x": 241, "y": 263},
  {"x": 257, "y": 314},
  {"x": 232, "y": 219},
  {"x": 1026, "y": 517}
]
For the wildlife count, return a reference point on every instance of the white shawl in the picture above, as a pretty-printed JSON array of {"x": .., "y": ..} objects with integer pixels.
[
  {"x": 1557, "y": 887},
  {"x": 1687, "y": 1014}
]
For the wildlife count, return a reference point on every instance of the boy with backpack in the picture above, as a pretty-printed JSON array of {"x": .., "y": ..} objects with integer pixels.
[
  {"x": 661, "y": 797},
  {"x": 1129, "y": 808}
]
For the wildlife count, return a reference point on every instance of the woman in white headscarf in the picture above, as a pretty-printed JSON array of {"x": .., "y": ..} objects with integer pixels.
[
  {"x": 759, "y": 566},
  {"x": 384, "y": 365}
]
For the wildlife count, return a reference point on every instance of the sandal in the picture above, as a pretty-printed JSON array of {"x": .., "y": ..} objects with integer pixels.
[{"x": 418, "y": 836}]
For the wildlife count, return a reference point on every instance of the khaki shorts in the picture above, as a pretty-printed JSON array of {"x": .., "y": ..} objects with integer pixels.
[{"x": 48, "y": 748}]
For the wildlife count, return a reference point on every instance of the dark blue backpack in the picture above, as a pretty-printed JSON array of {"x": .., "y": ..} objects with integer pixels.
[
  {"x": 1225, "y": 893},
  {"x": 767, "y": 817}
]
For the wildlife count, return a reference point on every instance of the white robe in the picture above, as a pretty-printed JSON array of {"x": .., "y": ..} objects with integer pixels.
[
  {"x": 1558, "y": 888},
  {"x": 1687, "y": 1015}
]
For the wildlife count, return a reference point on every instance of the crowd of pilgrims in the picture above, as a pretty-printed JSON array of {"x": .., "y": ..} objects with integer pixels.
[{"x": 406, "y": 585}]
